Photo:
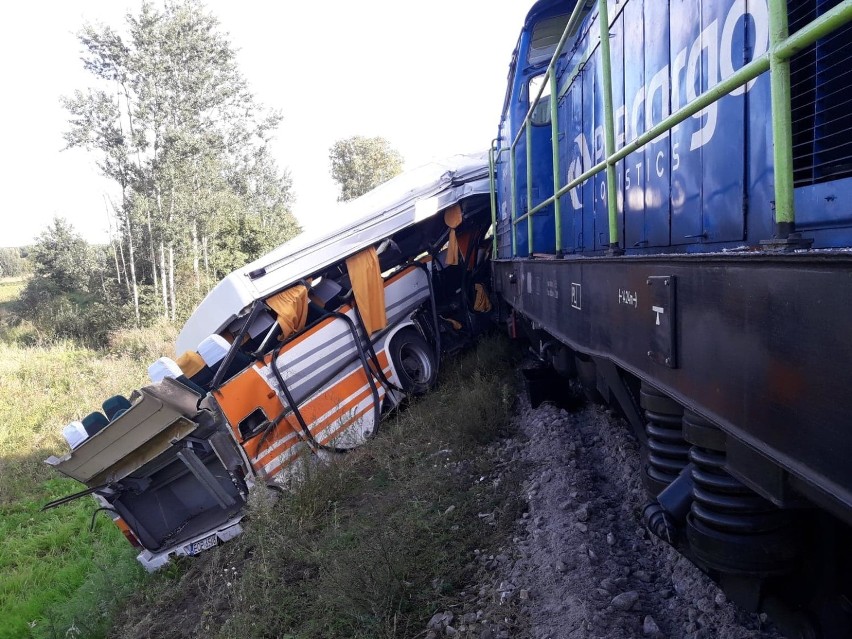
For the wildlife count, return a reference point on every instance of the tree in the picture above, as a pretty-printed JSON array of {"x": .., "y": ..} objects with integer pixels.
[
  {"x": 360, "y": 164},
  {"x": 172, "y": 122},
  {"x": 61, "y": 258},
  {"x": 12, "y": 263},
  {"x": 71, "y": 292}
]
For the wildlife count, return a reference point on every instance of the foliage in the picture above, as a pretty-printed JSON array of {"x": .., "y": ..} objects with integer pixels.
[
  {"x": 71, "y": 293},
  {"x": 57, "y": 578},
  {"x": 62, "y": 259},
  {"x": 360, "y": 164},
  {"x": 12, "y": 262},
  {"x": 366, "y": 545},
  {"x": 171, "y": 120}
]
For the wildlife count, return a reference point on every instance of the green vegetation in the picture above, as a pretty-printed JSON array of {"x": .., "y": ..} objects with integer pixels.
[
  {"x": 360, "y": 164},
  {"x": 170, "y": 119},
  {"x": 55, "y": 574},
  {"x": 370, "y": 544},
  {"x": 10, "y": 288},
  {"x": 71, "y": 293},
  {"x": 13, "y": 262}
]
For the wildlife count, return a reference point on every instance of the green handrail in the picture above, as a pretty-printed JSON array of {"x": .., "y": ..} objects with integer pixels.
[
  {"x": 554, "y": 146},
  {"x": 492, "y": 186},
  {"x": 514, "y": 204},
  {"x": 529, "y": 189},
  {"x": 782, "y": 46},
  {"x": 609, "y": 127},
  {"x": 782, "y": 119}
]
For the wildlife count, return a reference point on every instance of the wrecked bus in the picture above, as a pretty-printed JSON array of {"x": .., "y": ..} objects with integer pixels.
[{"x": 297, "y": 355}]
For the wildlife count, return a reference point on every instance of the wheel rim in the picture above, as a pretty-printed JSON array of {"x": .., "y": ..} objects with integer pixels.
[{"x": 416, "y": 364}]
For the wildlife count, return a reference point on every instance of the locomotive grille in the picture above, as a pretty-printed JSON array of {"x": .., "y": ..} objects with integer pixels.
[{"x": 820, "y": 79}]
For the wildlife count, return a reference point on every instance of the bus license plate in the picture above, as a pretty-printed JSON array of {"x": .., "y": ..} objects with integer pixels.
[{"x": 202, "y": 544}]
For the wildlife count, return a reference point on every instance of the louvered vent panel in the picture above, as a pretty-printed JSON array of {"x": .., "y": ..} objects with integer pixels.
[{"x": 821, "y": 78}]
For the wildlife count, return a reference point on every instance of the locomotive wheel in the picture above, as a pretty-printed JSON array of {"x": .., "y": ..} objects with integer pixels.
[{"x": 414, "y": 361}]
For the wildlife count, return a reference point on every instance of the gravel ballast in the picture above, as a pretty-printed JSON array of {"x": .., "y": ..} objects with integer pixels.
[{"x": 580, "y": 563}]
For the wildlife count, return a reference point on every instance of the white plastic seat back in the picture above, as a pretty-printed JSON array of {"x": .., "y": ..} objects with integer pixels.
[
  {"x": 162, "y": 368},
  {"x": 213, "y": 349}
]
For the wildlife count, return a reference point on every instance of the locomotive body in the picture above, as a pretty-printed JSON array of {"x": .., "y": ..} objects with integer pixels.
[{"x": 673, "y": 225}]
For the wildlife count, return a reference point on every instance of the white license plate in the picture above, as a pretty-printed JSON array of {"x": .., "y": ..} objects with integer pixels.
[{"x": 202, "y": 544}]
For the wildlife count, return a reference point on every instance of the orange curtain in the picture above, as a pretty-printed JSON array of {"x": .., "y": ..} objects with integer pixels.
[
  {"x": 369, "y": 288},
  {"x": 291, "y": 306},
  {"x": 464, "y": 240},
  {"x": 452, "y": 218},
  {"x": 482, "y": 304},
  {"x": 190, "y": 363}
]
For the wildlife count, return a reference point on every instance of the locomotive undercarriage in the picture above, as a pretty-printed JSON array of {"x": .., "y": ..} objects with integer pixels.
[{"x": 733, "y": 386}]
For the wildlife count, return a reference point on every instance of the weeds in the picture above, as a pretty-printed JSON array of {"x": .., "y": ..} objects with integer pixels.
[
  {"x": 57, "y": 578},
  {"x": 370, "y": 544}
]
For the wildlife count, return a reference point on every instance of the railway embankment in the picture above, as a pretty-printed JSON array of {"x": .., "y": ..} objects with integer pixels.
[
  {"x": 470, "y": 514},
  {"x": 579, "y": 562}
]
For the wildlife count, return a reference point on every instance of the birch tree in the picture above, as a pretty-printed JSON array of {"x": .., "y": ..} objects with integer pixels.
[{"x": 171, "y": 120}]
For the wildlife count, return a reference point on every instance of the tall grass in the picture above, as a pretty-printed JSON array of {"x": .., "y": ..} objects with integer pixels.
[
  {"x": 369, "y": 544},
  {"x": 57, "y": 579}
]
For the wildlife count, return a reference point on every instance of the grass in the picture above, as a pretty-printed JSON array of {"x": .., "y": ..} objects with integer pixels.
[
  {"x": 10, "y": 288},
  {"x": 370, "y": 544},
  {"x": 57, "y": 579}
]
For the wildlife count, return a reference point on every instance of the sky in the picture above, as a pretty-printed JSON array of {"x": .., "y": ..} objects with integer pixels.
[{"x": 428, "y": 76}]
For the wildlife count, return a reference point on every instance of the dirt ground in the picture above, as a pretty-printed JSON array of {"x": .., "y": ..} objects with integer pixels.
[{"x": 581, "y": 564}]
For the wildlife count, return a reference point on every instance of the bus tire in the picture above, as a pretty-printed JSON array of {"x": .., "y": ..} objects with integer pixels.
[{"x": 414, "y": 361}]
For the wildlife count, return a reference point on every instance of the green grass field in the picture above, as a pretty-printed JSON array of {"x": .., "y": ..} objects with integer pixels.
[
  {"x": 57, "y": 579},
  {"x": 369, "y": 545}
]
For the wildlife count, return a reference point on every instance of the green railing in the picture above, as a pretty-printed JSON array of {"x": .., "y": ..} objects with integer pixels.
[{"x": 776, "y": 60}]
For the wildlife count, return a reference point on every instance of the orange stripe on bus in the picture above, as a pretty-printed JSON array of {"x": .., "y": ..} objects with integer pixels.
[
  {"x": 277, "y": 469},
  {"x": 316, "y": 426},
  {"x": 320, "y": 406}
]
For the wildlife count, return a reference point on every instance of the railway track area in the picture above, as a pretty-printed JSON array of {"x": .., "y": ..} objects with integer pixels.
[{"x": 580, "y": 563}]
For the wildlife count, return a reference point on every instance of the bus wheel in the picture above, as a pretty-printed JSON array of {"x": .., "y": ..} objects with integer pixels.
[{"x": 414, "y": 361}]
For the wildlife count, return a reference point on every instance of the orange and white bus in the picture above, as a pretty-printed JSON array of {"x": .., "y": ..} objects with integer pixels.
[{"x": 293, "y": 357}]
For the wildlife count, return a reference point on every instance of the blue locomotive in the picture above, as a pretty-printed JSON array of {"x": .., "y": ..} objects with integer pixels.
[{"x": 671, "y": 190}]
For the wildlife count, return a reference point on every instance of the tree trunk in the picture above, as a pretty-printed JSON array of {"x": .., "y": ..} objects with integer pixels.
[
  {"x": 162, "y": 251},
  {"x": 139, "y": 169},
  {"x": 206, "y": 263},
  {"x": 172, "y": 278},
  {"x": 153, "y": 250},
  {"x": 169, "y": 221},
  {"x": 133, "y": 271},
  {"x": 123, "y": 261},
  {"x": 125, "y": 209},
  {"x": 165, "y": 289},
  {"x": 115, "y": 258},
  {"x": 112, "y": 242},
  {"x": 195, "y": 257}
]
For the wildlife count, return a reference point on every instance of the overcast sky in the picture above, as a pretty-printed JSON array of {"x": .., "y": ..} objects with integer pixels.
[{"x": 428, "y": 76}]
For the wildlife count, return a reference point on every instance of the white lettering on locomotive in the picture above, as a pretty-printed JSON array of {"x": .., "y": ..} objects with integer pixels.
[{"x": 685, "y": 71}]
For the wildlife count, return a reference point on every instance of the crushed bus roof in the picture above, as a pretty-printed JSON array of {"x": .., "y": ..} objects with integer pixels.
[{"x": 403, "y": 201}]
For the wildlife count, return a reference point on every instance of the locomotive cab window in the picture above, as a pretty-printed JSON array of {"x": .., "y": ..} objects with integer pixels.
[
  {"x": 545, "y": 37},
  {"x": 541, "y": 114}
]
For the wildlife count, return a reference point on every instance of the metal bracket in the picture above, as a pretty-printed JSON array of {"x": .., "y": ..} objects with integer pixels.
[{"x": 663, "y": 339}]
